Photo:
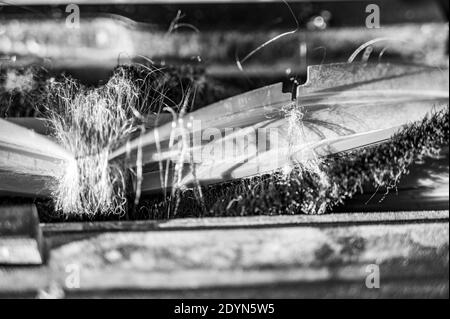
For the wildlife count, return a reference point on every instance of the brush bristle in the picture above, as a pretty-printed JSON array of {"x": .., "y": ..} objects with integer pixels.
[{"x": 90, "y": 124}]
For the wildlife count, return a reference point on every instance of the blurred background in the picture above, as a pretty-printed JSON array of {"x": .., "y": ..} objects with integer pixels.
[{"x": 248, "y": 43}]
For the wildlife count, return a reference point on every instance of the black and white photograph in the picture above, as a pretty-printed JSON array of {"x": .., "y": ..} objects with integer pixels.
[{"x": 224, "y": 158}]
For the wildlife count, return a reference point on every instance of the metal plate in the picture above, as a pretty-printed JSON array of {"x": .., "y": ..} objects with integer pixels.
[{"x": 20, "y": 235}]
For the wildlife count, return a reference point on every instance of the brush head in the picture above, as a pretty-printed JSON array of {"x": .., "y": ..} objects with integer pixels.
[{"x": 91, "y": 123}]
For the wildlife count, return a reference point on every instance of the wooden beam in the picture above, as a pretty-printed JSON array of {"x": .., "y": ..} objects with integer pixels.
[
  {"x": 328, "y": 220},
  {"x": 191, "y": 261}
]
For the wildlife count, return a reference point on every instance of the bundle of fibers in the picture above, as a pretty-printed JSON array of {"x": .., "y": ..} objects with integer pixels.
[
  {"x": 90, "y": 123},
  {"x": 22, "y": 89},
  {"x": 315, "y": 187}
]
